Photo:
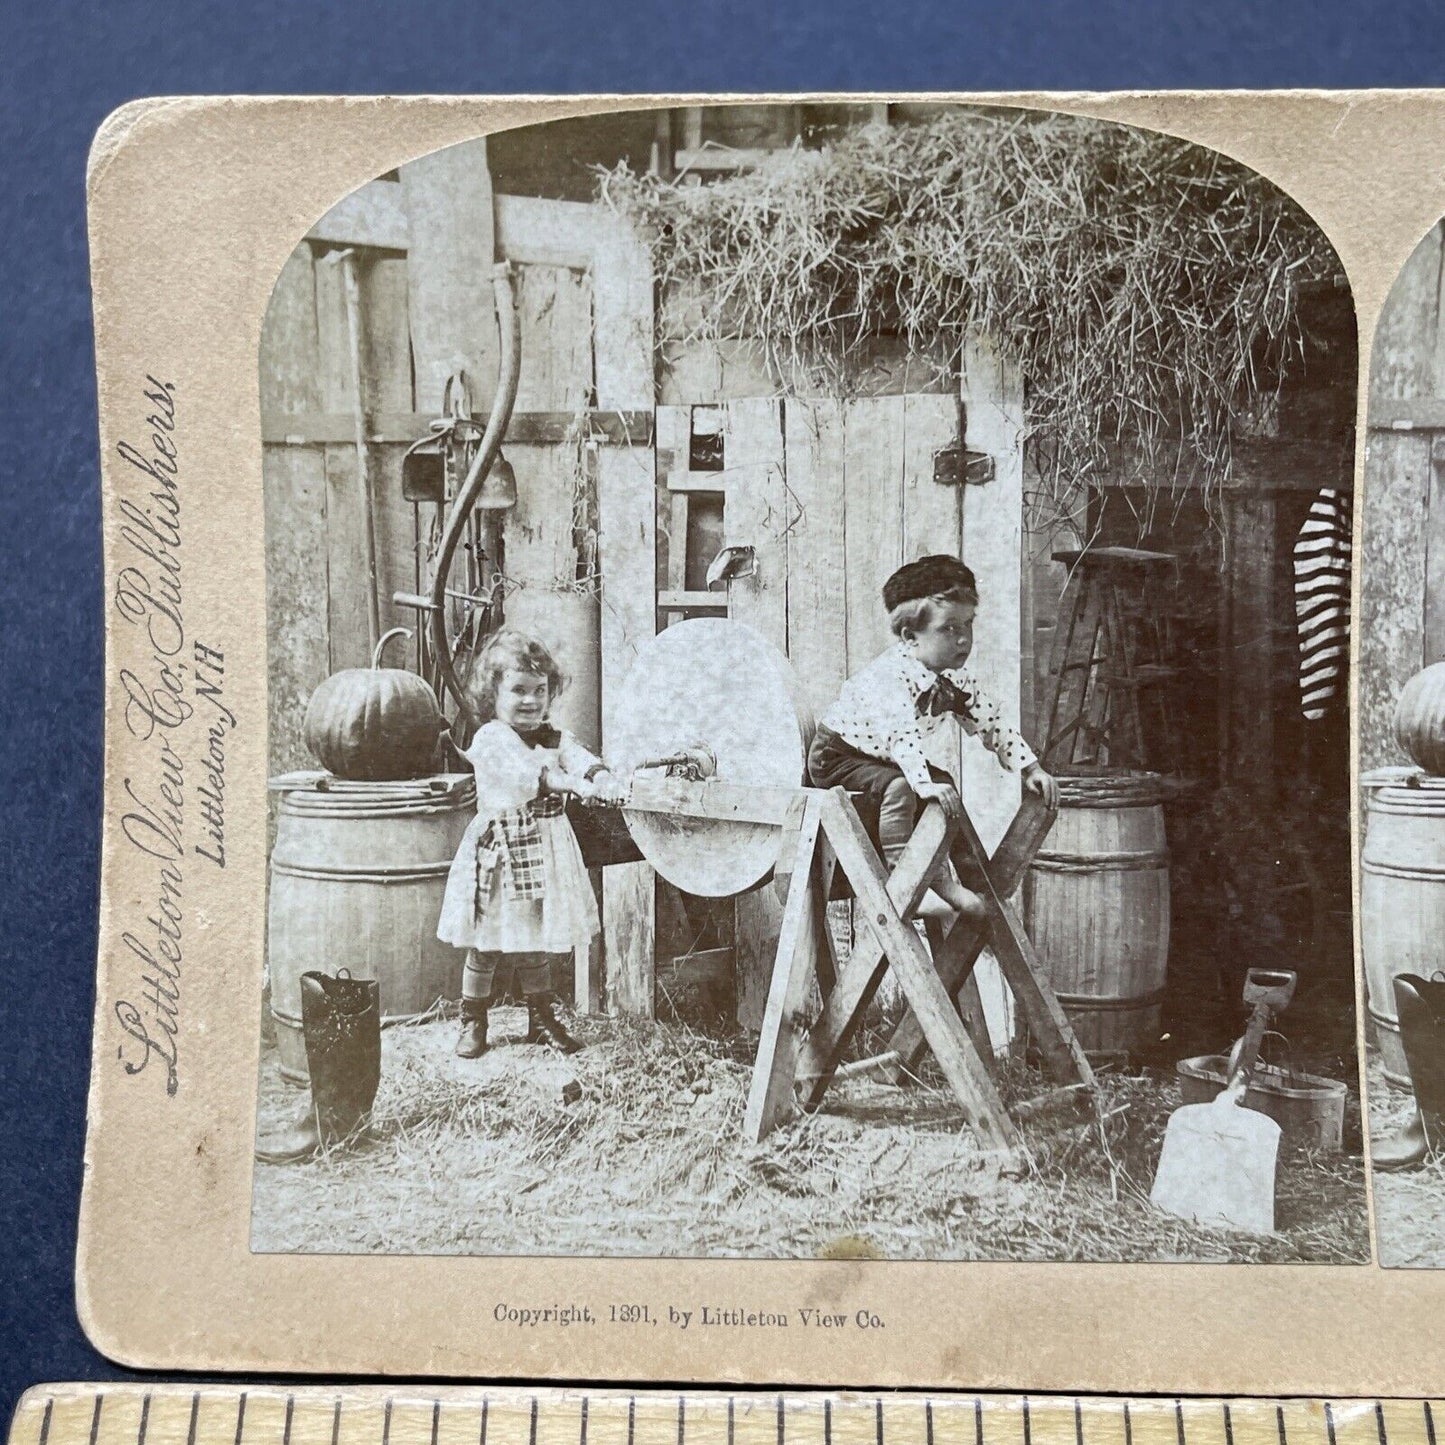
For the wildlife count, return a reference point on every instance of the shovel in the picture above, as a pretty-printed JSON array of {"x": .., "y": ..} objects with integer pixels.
[{"x": 1217, "y": 1163}]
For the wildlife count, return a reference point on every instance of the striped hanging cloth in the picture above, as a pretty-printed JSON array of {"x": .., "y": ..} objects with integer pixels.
[{"x": 1322, "y": 601}]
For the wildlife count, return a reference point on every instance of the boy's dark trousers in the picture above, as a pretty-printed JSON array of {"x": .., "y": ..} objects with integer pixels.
[{"x": 883, "y": 797}]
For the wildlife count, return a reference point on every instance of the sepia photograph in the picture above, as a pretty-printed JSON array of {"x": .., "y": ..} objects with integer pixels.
[
  {"x": 1402, "y": 765},
  {"x": 808, "y": 702}
]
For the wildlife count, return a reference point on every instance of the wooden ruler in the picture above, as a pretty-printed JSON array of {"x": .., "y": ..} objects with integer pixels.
[{"x": 166, "y": 1414}]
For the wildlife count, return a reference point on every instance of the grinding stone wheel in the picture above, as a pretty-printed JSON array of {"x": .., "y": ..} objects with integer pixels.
[{"x": 717, "y": 682}]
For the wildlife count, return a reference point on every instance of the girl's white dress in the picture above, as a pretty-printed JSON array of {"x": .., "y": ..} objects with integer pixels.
[{"x": 509, "y": 778}]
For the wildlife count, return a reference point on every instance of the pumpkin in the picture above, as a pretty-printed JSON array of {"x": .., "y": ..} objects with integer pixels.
[
  {"x": 374, "y": 723},
  {"x": 1420, "y": 718}
]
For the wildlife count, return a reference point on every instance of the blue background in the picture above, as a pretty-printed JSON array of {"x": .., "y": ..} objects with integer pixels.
[{"x": 67, "y": 65}]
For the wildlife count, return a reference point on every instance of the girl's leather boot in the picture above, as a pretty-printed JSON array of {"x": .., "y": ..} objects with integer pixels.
[
  {"x": 543, "y": 1025},
  {"x": 1420, "y": 1005},
  {"x": 472, "y": 1041}
]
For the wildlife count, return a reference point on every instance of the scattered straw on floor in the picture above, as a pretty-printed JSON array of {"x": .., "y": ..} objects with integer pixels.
[
  {"x": 486, "y": 1157},
  {"x": 1409, "y": 1206}
]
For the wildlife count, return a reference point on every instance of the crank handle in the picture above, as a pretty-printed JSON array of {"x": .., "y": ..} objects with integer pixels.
[{"x": 694, "y": 763}]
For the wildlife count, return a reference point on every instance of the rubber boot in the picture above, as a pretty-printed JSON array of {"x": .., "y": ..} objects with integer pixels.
[
  {"x": 299, "y": 1140},
  {"x": 472, "y": 1041},
  {"x": 341, "y": 1020},
  {"x": 1405, "y": 1149},
  {"x": 543, "y": 1025},
  {"x": 1420, "y": 1004},
  {"x": 341, "y": 1027}
]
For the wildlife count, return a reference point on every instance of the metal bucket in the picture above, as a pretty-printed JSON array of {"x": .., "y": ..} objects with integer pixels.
[{"x": 1308, "y": 1109}]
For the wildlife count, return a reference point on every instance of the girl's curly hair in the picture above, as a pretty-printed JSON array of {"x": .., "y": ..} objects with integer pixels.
[{"x": 506, "y": 651}]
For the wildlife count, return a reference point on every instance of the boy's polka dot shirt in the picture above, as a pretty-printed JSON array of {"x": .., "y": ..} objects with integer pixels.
[{"x": 877, "y": 712}]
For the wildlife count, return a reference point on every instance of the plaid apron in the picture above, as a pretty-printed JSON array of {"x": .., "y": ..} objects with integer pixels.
[{"x": 511, "y": 845}]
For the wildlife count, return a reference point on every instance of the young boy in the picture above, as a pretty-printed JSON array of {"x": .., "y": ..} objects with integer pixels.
[{"x": 871, "y": 740}]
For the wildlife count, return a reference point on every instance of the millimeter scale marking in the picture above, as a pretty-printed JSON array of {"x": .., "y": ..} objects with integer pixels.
[{"x": 166, "y": 1414}]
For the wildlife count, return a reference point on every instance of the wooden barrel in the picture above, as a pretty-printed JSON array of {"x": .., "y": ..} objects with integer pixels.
[
  {"x": 1402, "y": 895},
  {"x": 357, "y": 876},
  {"x": 1097, "y": 898}
]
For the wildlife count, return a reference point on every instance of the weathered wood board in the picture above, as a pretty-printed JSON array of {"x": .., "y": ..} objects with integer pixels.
[
  {"x": 756, "y": 513},
  {"x": 817, "y": 636},
  {"x": 626, "y": 492},
  {"x": 447, "y": 198},
  {"x": 1250, "y": 638},
  {"x": 992, "y": 536},
  {"x": 295, "y": 504},
  {"x": 556, "y": 316},
  {"x": 346, "y": 584},
  {"x": 387, "y": 379},
  {"x": 1402, "y": 564}
]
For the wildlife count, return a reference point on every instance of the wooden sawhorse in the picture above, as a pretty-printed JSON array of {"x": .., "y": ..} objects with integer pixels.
[{"x": 820, "y": 832}]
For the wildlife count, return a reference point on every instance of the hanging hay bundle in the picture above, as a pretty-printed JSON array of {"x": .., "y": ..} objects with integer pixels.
[{"x": 1147, "y": 288}]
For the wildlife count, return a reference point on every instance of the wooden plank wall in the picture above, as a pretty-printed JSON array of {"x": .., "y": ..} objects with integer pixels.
[
  {"x": 553, "y": 486},
  {"x": 992, "y": 526},
  {"x": 429, "y": 306},
  {"x": 1402, "y": 563},
  {"x": 756, "y": 513},
  {"x": 815, "y": 442},
  {"x": 385, "y": 385},
  {"x": 315, "y": 510},
  {"x": 1248, "y": 635},
  {"x": 427, "y": 311},
  {"x": 834, "y": 496},
  {"x": 555, "y": 303},
  {"x": 447, "y": 203},
  {"x": 294, "y": 483},
  {"x": 424, "y": 248},
  {"x": 627, "y": 555}
]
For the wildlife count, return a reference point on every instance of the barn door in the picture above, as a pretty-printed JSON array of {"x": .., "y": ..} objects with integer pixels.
[{"x": 831, "y": 497}]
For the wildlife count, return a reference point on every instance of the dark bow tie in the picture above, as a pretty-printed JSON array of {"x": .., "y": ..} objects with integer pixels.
[
  {"x": 542, "y": 737},
  {"x": 941, "y": 696}
]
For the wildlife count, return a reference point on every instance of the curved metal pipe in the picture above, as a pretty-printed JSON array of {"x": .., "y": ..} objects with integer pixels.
[{"x": 510, "y": 325}]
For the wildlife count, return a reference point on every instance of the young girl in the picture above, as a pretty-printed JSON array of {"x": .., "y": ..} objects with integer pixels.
[
  {"x": 518, "y": 892},
  {"x": 871, "y": 740}
]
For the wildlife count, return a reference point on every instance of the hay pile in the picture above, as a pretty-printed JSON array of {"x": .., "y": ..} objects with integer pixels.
[
  {"x": 1147, "y": 287},
  {"x": 483, "y": 1157}
]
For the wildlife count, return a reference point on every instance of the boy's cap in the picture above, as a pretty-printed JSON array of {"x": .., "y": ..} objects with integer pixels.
[{"x": 927, "y": 577}]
